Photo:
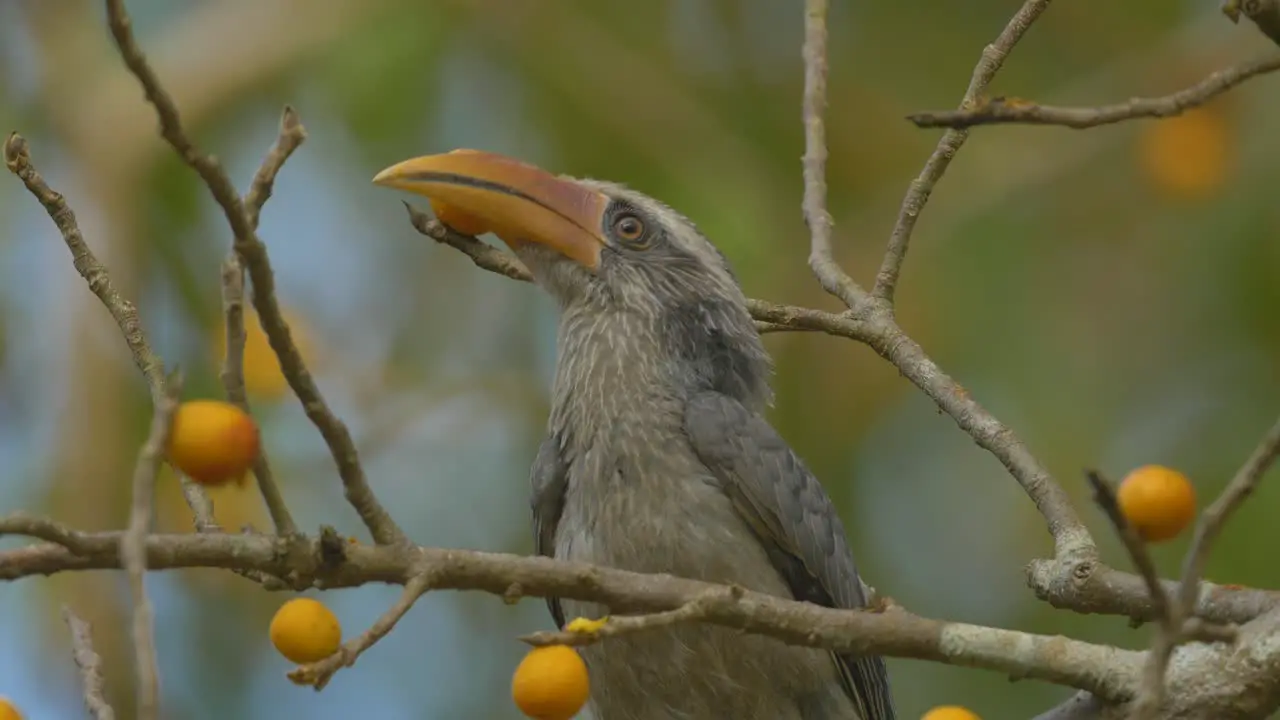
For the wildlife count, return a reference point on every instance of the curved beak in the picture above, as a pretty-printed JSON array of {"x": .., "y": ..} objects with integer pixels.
[{"x": 519, "y": 202}]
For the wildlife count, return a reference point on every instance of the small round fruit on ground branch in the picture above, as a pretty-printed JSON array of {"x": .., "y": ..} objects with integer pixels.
[
  {"x": 305, "y": 631},
  {"x": 550, "y": 683},
  {"x": 1159, "y": 502},
  {"x": 213, "y": 442},
  {"x": 950, "y": 712},
  {"x": 8, "y": 711}
]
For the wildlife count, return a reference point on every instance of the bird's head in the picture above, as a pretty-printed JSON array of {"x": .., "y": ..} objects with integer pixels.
[{"x": 605, "y": 250}]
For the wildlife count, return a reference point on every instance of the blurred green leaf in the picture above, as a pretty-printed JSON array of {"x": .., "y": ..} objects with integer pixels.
[{"x": 382, "y": 77}]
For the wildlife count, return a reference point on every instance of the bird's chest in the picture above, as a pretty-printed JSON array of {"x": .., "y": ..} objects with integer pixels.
[
  {"x": 656, "y": 509},
  {"x": 649, "y": 505}
]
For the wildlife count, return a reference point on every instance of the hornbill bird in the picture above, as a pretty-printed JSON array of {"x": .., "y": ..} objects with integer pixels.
[{"x": 658, "y": 457}]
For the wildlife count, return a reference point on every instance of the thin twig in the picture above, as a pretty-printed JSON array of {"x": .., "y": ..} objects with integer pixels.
[
  {"x": 253, "y": 253},
  {"x": 1175, "y": 623},
  {"x": 1148, "y": 702},
  {"x": 1014, "y": 110},
  {"x": 318, "y": 674},
  {"x": 814, "y": 106},
  {"x": 483, "y": 255},
  {"x": 90, "y": 664},
  {"x": 21, "y": 523},
  {"x": 1105, "y": 497},
  {"x": 17, "y": 157},
  {"x": 921, "y": 188},
  {"x": 291, "y": 136},
  {"x": 133, "y": 552},
  {"x": 696, "y": 609},
  {"x": 1215, "y": 517},
  {"x": 232, "y": 376}
]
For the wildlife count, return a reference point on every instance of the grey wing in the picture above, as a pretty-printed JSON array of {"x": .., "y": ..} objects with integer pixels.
[
  {"x": 794, "y": 519},
  {"x": 548, "y": 478}
]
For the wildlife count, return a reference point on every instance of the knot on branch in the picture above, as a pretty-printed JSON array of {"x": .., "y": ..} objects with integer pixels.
[{"x": 1061, "y": 582}]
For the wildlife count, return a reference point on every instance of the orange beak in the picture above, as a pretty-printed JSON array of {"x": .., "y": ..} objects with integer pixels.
[{"x": 519, "y": 202}]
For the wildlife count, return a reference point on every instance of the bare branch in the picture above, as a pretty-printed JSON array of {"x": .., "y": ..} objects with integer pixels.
[
  {"x": 318, "y": 674},
  {"x": 1216, "y": 515},
  {"x": 1085, "y": 585},
  {"x": 42, "y": 528},
  {"x": 1175, "y": 622},
  {"x": 253, "y": 252},
  {"x": 696, "y": 609},
  {"x": 90, "y": 665},
  {"x": 1015, "y": 110},
  {"x": 133, "y": 547},
  {"x": 291, "y": 136},
  {"x": 1105, "y": 496},
  {"x": 1109, "y": 672},
  {"x": 483, "y": 255},
  {"x": 232, "y": 376},
  {"x": 1071, "y": 537},
  {"x": 1167, "y": 634},
  {"x": 17, "y": 157},
  {"x": 821, "y": 261},
  {"x": 921, "y": 188}
]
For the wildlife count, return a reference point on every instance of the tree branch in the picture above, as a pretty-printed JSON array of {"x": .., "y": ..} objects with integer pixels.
[
  {"x": 921, "y": 188},
  {"x": 1216, "y": 515},
  {"x": 1071, "y": 537},
  {"x": 1014, "y": 110},
  {"x": 291, "y": 136},
  {"x": 133, "y": 547},
  {"x": 17, "y": 157},
  {"x": 1107, "y": 672},
  {"x": 1174, "y": 613},
  {"x": 90, "y": 665},
  {"x": 319, "y": 673},
  {"x": 694, "y": 610},
  {"x": 253, "y": 252},
  {"x": 832, "y": 278},
  {"x": 1151, "y": 694},
  {"x": 1086, "y": 585},
  {"x": 1105, "y": 497}
]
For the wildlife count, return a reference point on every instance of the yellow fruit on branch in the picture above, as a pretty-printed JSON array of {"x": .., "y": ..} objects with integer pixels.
[
  {"x": 213, "y": 442},
  {"x": 550, "y": 683},
  {"x": 1159, "y": 502},
  {"x": 1187, "y": 155},
  {"x": 263, "y": 378},
  {"x": 305, "y": 631},
  {"x": 950, "y": 712},
  {"x": 8, "y": 711}
]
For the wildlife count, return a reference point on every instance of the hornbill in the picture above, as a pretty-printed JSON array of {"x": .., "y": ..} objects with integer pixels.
[{"x": 658, "y": 457}]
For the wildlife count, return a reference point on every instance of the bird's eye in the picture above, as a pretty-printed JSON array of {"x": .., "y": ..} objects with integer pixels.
[{"x": 628, "y": 228}]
